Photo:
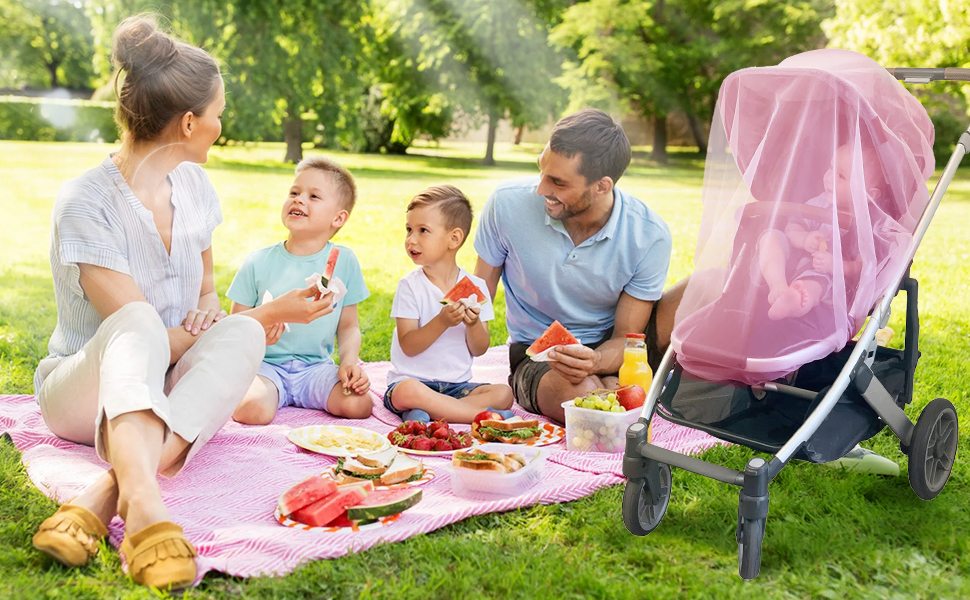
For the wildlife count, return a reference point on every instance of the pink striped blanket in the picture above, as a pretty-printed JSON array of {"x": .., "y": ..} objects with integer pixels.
[{"x": 225, "y": 498}]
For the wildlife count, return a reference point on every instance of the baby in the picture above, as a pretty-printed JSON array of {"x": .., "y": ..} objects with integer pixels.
[{"x": 809, "y": 243}]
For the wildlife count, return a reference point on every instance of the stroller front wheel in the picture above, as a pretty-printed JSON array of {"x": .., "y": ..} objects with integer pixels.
[
  {"x": 933, "y": 448},
  {"x": 641, "y": 514}
]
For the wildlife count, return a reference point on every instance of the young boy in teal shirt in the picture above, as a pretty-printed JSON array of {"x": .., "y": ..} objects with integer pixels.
[{"x": 298, "y": 369}]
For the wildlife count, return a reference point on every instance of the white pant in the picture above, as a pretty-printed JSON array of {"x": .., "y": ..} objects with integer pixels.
[{"x": 125, "y": 368}]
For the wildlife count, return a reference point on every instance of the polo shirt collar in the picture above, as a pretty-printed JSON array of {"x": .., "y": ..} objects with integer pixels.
[{"x": 606, "y": 232}]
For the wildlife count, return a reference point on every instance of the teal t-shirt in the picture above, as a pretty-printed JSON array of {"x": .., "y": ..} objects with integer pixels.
[{"x": 275, "y": 270}]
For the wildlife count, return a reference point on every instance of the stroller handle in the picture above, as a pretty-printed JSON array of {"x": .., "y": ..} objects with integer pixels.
[{"x": 917, "y": 75}]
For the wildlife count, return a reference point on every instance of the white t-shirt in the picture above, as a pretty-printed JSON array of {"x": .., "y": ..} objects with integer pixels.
[{"x": 448, "y": 358}]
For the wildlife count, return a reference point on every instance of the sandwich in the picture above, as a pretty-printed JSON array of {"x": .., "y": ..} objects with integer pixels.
[
  {"x": 510, "y": 431},
  {"x": 381, "y": 468},
  {"x": 479, "y": 460}
]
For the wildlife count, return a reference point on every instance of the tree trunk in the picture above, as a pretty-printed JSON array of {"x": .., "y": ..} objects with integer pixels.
[
  {"x": 293, "y": 135},
  {"x": 659, "y": 153},
  {"x": 52, "y": 69},
  {"x": 695, "y": 129},
  {"x": 518, "y": 134},
  {"x": 490, "y": 144}
]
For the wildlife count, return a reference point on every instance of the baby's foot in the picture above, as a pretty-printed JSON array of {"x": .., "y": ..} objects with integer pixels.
[{"x": 793, "y": 302}]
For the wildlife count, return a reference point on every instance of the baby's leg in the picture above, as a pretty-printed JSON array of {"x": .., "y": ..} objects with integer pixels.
[
  {"x": 258, "y": 406},
  {"x": 411, "y": 393},
  {"x": 773, "y": 250},
  {"x": 801, "y": 297}
]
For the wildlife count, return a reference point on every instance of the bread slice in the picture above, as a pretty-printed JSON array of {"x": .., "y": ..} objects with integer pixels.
[
  {"x": 509, "y": 424},
  {"x": 403, "y": 468},
  {"x": 481, "y": 465},
  {"x": 355, "y": 467},
  {"x": 383, "y": 458}
]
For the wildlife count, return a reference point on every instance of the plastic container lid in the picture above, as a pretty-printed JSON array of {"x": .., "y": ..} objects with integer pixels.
[
  {"x": 639, "y": 336},
  {"x": 487, "y": 485}
]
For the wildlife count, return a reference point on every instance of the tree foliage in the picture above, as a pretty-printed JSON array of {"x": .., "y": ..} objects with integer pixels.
[
  {"x": 657, "y": 57},
  {"x": 913, "y": 33},
  {"x": 45, "y": 43}
]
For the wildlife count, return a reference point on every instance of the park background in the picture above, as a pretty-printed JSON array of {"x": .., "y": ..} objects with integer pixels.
[{"x": 409, "y": 93}]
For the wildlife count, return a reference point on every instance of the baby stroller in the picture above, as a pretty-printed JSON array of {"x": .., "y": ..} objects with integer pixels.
[{"x": 800, "y": 386}]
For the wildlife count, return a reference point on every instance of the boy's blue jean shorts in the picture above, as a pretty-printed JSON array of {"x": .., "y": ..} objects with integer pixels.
[
  {"x": 455, "y": 390},
  {"x": 300, "y": 384}
]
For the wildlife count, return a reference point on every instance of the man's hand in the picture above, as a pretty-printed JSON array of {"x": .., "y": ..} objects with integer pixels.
[
  {"x": 200, "y": 320},
  {"x": 353, "y": 378},
  {"x": 471, "y": 316},
  {"x": 274, "y": 333},
  {"x": 574, "y": 363},
  {"x": 452, "y": 314}
]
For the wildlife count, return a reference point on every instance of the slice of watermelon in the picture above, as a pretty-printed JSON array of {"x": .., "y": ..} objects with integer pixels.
[
  {"x": 323, "y": 512},
  {"x": 384, "y": 503},
  {"x": 463, "y": 289},
  {"x": 306, "y": 493},
  {"x": 556, "y": 335},
  {"x": 331, "y": 264}
]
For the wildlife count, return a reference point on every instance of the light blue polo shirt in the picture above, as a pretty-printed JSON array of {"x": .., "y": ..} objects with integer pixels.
[
  {"x": 548, "y": 278},
  {"x": 275, "y": 270}
]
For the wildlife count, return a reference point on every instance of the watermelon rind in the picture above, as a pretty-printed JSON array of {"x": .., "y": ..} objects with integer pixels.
[
  {"x": 555, "y": 335},
  {"x": 331, "y": 265},
  {"x": 384, "y": 504}
]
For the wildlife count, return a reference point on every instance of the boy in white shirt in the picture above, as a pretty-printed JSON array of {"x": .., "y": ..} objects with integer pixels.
[{"x": 434, "y": 345}]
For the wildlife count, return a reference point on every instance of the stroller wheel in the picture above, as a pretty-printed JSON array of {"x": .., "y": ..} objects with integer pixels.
[
  {"x": 933, "y": 449},
  {"x": 750, "y": 534},
  {"x": 641, "y": 515}
]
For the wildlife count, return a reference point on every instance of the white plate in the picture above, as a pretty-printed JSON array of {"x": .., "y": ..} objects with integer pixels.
[{"x": 309, "y": 438}]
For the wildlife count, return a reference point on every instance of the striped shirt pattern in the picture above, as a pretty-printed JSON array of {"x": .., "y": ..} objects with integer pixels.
[{"x": 97, "y": 220}]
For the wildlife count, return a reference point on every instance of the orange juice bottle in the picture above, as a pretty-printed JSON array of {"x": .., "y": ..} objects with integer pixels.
[{"x": 636, "y": 370}]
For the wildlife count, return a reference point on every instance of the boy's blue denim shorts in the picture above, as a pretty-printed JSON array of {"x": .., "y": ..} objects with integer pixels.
[
  {"x": 455, "y": 390},
  {"x": 300, "y": 384}
]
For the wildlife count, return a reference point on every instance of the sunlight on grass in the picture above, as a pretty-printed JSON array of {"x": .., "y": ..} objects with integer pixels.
[{"x": 830, "y": 534}]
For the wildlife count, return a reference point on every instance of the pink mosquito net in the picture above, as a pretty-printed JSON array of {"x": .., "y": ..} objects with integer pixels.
[{"x": 814, "y": 182}]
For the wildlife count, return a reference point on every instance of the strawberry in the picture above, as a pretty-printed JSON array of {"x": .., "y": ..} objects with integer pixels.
[
  {"x": 404, "y": 428},
  {"x": 418, "y": 428},
  {"x": 436, "y": 425},
  {"x": 465, "y": 439},
  {"x": 442, "y": 445},
  {"x": 442, "y": 433},
  {"x": 425, "y": 444}
]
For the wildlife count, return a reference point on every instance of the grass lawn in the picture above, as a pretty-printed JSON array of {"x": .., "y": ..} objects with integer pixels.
[{"x": 830, "y": 534}]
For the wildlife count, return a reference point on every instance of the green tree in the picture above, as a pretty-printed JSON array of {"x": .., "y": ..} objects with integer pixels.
[
  {"x": 45, "y": 43},
  {"x": 488, "y": 59},
  {"x": 913, "y": 33},
  {"x": 656, "y": 57}
]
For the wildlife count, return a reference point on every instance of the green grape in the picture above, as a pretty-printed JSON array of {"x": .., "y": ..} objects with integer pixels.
[
  {"x": 611, "y": 397},
  {"x": 617, "y": 408}
]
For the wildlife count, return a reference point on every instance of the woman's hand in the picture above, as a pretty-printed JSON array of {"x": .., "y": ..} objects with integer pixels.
[
  {"x": 200, "y": 320},
  {"x": 274, "y": 333},
  {"x": 303, "y": 305}
]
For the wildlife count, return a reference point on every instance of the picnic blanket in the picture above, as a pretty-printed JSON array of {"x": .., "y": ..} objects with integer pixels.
[{"x": 225, "y": 497}]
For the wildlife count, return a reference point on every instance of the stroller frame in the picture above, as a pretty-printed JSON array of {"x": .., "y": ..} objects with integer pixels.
[{"x": 932, "y": 438}]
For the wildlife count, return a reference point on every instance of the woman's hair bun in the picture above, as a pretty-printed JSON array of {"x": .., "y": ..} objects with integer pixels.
[{"x": 140, "y": 47}]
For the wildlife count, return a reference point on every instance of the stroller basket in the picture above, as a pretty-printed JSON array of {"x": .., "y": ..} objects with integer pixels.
[{"x": 764, "y": 420}]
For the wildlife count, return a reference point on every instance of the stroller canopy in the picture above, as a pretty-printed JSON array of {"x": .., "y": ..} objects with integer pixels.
[{"x": 825, "y": 146}]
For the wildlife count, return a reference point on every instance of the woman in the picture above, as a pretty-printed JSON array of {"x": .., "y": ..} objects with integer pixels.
[{"x": 143, "y": 363}]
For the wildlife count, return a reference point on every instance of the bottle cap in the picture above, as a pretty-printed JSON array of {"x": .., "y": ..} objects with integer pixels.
[{"x": 637, "y": 336}]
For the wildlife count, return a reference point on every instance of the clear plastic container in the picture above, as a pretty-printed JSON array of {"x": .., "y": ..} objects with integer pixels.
[
  {"x": 589, "y": 430},
  {"x": 488, "y": 485}
]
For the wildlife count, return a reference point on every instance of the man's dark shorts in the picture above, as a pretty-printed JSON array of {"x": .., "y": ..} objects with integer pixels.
[{"x": 524, "y": 374}]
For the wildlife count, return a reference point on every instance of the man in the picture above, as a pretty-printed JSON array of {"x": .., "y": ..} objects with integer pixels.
[{"x": 571, "y": 246}]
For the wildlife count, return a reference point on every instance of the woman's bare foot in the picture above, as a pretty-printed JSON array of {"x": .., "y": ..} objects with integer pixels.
[{"x": 101, "y": 497}]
